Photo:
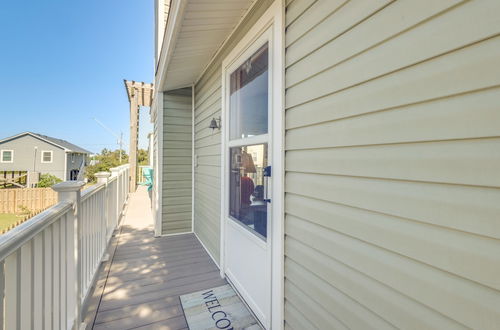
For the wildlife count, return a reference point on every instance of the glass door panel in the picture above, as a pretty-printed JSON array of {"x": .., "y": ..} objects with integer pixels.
[
  {"x": 248, "y": 100},
  {"x": 247, "y": 187}
]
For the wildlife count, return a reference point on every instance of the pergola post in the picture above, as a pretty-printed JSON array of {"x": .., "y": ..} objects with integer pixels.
[
  {"x": 134, "y": 133},
  {"x": 139, "y": 94}
]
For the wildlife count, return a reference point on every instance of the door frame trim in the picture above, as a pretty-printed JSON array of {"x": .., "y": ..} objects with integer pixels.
[
  {"x": 158, "y": 196},
  {"x": 273, "y": 18}
]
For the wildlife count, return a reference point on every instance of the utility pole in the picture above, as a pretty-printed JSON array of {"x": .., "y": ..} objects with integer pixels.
[
  {"x": 121, "y": 146},
  {"x": 120, "y": 138}
]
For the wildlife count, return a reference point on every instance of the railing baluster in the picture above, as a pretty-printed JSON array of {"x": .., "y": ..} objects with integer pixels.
[
  {"x": 87, "y": 244},
  {"x": 97, "y": 220},
  {"x": 83, "y": 253},
  {"x": 56, "y": 283},
  {"x": 102, "y": 228},
  {"x": 12, "y": 287},
  {"x": 94, "y": 234},
  {"x": 25, "y": 277},
  {"x": 47, "y": 279},
  {"x": 91, "y": 238},
  {"x": 2, "y": 293},
  {"x": 37, "y": 282},
  {"x": 72, "y": 291},
  {"x": 62, "y": 269}
]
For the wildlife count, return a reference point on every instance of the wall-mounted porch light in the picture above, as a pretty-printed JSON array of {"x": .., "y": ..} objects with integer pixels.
[{"x": 215, "y": 123}]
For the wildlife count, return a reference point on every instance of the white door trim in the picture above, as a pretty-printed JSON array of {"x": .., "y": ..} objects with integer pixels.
[{"x": 272, "y": 19}]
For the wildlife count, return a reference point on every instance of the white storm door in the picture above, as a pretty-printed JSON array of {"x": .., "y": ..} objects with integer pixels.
[{"x": 247, "y": 203}]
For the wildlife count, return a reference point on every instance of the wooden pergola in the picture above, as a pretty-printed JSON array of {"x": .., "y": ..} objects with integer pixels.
[{"x": 139, "y": 94}]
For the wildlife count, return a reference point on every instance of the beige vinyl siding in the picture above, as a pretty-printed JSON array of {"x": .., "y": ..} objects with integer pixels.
[
  {"x": 166, "y": 7},
  {"x": 207, "y": 143},
  {"x": 177, "y": 165},
  {"x": 392, "y": 155}
]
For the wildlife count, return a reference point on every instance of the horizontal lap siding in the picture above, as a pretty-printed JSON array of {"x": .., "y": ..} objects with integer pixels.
[
  {"x": 207, "y": 142},
  {"x": 207, "y": 147},
  {"x": 392, "y": 157},
  {"x": 177, "y": 165}
]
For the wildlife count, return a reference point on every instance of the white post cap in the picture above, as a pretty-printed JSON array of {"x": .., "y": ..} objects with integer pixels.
[
  {"x": 68, "y": 190},
  {"x": 102, "y": 177},
  {"x": 68, "y": 186}
]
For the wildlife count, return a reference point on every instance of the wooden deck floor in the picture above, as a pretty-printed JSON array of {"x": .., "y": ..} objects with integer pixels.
[{"x": 139, "y": 287}]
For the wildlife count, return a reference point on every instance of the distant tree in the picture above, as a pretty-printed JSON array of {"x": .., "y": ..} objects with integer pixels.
[
  {"x": 47, "y": 180},
  {"x": 142, "y": 157},
  {"x": 105, "y": 160},
  {"x": 108, "y": 159}
]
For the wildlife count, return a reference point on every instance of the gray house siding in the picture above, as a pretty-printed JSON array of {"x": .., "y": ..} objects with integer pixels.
[
  {"x": 392, "y": 157},
  {"x": 25, "y": 160},
  {"x": 177, "y": 162},
  {"x": 207, "y": 194},
  {"x": 74, "y": 162}
]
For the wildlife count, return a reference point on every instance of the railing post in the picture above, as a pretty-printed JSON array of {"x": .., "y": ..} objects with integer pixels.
[
  {"x": 116, "y": 172},
  {"x": 71, "y": 191},
  {"x": 103, "y": 177}
]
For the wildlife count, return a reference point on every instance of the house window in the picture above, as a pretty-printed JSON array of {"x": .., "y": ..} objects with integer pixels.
[
  {"x": 249, "y": 97},
  {"x": 46, "y": 156},
  {"x": 7, "y": 156}
]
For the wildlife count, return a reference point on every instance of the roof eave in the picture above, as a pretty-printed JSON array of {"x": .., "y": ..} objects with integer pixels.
[{"x": 174, "y": 23}]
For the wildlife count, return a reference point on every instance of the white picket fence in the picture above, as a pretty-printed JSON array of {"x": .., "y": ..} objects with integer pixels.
[{"x": 48, "y": 263}]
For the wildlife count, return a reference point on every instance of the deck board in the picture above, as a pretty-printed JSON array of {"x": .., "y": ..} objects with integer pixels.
[{"x": 139, "y": 288}]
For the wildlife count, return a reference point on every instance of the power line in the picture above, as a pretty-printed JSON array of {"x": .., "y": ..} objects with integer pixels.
[{"x": 120, "y": 138}]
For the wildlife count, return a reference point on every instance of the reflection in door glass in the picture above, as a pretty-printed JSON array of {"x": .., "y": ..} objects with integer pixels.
[
  {"x": 249, "y": 96},
  {"x": 247, "y": 187}
]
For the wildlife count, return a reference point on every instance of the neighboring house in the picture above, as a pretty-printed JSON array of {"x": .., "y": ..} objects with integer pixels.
[
  {"x": 381, "y": 122},
  {"x": 34, "y": 152}
]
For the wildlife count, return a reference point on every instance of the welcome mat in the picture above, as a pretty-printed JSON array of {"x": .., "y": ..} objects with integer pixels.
[{"x": 217, "y": 308}]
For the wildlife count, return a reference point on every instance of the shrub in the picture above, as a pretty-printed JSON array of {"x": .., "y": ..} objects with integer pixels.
[{"x": 47, "y": 180}]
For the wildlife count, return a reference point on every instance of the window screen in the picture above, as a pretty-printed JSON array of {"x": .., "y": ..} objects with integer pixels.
[
  {"x": 47, "y": 156},
  {"x": 6, "y": 155}
]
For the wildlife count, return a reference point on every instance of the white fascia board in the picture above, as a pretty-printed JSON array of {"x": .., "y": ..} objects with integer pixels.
[
  {"x": 14, "y": 137},
  {"x": 36, "y": 137},
  {"x": 174, "y": 23},
  {"x": 174, "y": 20}
]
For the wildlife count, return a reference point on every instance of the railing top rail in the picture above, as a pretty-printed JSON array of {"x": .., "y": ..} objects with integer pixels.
[
  {"x": 121, "y": 167},
  {"x": 18, "y": 236},
  {"x": 92, "y": 190}
]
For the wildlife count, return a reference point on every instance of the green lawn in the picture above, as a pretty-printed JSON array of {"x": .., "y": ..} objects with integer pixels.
[{"x": 6, "y": 219}]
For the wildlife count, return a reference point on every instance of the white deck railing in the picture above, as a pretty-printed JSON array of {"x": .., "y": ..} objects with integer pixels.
[{"x": 48, "y": 263}]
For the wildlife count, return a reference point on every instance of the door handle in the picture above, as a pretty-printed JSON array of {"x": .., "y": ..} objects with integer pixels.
[{"x": 267, "y": 174}]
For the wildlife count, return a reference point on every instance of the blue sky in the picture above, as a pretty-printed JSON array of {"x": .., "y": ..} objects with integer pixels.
[{"x": 62, "y": 63}]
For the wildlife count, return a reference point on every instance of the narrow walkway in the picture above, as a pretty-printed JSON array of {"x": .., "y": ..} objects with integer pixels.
[{"x": 139, "y": 287}]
